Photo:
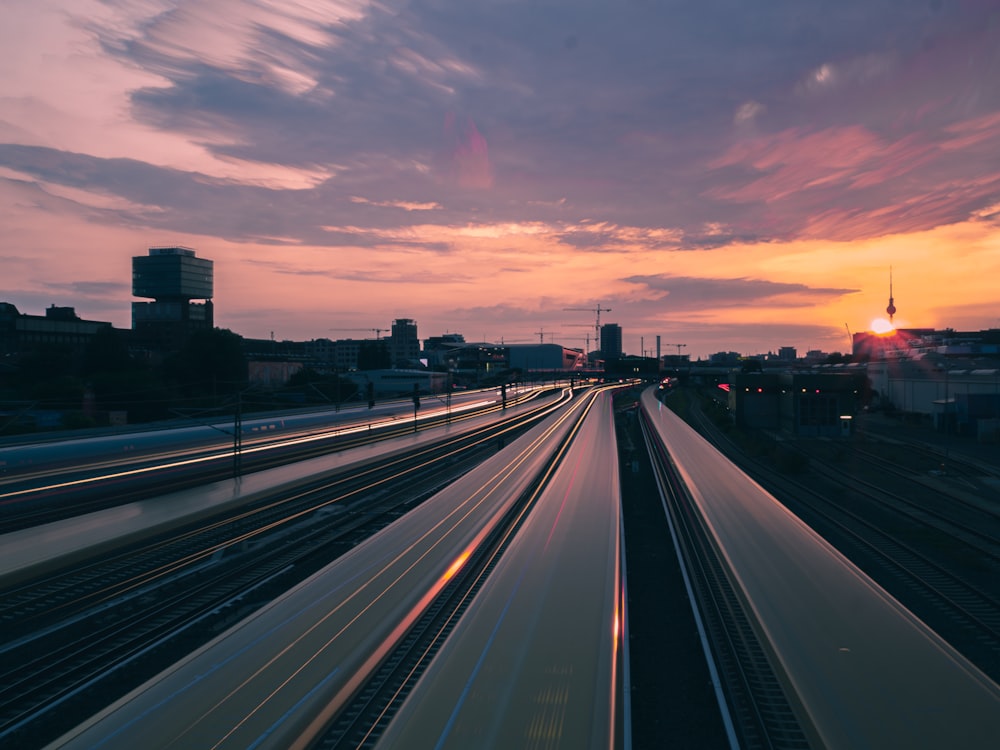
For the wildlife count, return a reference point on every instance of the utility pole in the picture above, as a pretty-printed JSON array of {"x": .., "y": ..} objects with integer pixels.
[
  {"x": 238, "y": 436},
  {"x": 947, "y": 420},
  {"x": 416, "y": 404},
  {"x": 451, "y": 383}
]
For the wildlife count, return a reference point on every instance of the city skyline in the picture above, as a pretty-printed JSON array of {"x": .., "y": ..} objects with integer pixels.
[{"x": 729, "y": 177}]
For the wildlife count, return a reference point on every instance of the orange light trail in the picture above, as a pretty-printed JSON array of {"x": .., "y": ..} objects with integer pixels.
[{"x": 456, "y": 566}]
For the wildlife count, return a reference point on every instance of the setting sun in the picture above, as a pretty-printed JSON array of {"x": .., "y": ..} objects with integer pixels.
[{"x": 881, "y": 325}]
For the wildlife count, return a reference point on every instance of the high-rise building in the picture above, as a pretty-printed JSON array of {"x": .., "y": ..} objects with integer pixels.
[
  {"x": 404, "y": 346},
  {"x": 172, "y": 277},
  {"x": 611, "y": 341}
]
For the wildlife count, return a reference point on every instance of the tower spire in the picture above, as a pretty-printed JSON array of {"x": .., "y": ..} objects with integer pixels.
[{"x": 891, "y": 309}]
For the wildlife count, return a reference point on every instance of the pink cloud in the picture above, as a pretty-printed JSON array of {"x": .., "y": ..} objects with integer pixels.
[
  {"x": 849, "y": 183},
  {"x": 470, "y": 157},
  {"x": 793, "y": 160}
]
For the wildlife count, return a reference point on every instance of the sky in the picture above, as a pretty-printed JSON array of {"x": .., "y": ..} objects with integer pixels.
[{"x": 727, "y": 175}]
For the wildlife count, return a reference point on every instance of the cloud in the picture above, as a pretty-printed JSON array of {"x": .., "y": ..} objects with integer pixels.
[
  {"x": 512, "y": 314},
  {"x": 132, "y": 192},
  {"x": 405, "y": 205},
  {"x": 469, "y": 159},
  {"x": 870, "y": 185},
  {"x": 95, "y": 289},
  {"x": 748, "y": 112},
  {"x": 606, "y": 236},
  {"x": 507, "y": 137},
  {"x": 685, "y": 293},
  {"x": 621, "y": 126},
  {"x": 361, "y": 272},
  {"x": 866, "y": 69}
]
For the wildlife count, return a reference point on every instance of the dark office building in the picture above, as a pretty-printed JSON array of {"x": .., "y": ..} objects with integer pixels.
[
  {"x": 611, "y": 341},
  {"x": 60, "y": 326},
  {"x": 172, "y": 277},
  {"x": 801, "y": 403},
  {"x": 404, "y": 346}
]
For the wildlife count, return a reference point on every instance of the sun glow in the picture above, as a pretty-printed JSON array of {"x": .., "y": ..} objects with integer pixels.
[{"x": 882, "y": 326}]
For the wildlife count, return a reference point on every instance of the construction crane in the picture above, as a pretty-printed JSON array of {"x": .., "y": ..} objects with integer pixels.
[
  {"x": 597, "y": 324},
  {"x": 678, "y": 349},
  {"x": 378, "y": 331},
  {"x": 541, "y": 335},
  {"x": 586, "y": 351}
]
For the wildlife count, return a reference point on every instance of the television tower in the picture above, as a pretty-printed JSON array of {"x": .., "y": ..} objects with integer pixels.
[{"x": 891, "y": 309}]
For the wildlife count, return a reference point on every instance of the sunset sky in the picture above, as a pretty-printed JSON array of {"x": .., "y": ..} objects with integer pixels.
[{"x": 730, "y": 175}]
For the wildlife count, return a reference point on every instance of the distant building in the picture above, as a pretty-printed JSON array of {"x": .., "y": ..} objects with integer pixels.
[
  {"x": 906, "y": 342},
  {"x": 611, "y": 341},
  {"x": 271, "y": 350},
  {"x": 962, "y": 399},
  {"x": 322, "y": 352},
  {"x": 800, "y": 403},
  {"x": 631, "y": 366},
  {"x": 172, "y": 277},
  {"x": 438, "y": 349},
  {"x": 346, "y": 354},
  {"x": 404, "y": 346},
  {"x": 478, "y": 364},
  {"x": 725, "y": 359},
  {"x": 373, "y": 354},
  {"x": 60, "y": 326},
  {"x": 340, "y": 355},
  {"x": 271, "y": 374},
  {"x": 544, "y": 357},
  {"x": 675, "y": 361},
  {"x": 399, "y": 383}
]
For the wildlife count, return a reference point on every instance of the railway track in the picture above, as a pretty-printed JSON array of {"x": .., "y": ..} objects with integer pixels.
[
  {"x": 963, "y": 499},
  {"x": 976, "y": 526},
  {"x": 78, "y": 639},
  {"x": 760, "y": 711},
  {"x": 937, "y": 555},
  {"x": 66, "y": 493},
  {"x": 858, "y": 666},
  {"x": 361, "y": 721},
  {"x": 278, "y": 677}
]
